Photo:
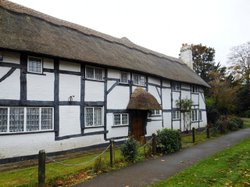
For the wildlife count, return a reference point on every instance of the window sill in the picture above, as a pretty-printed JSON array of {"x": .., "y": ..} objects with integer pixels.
[
  {"x": 117, "y": 126},
  {"x": 95, "y": 80},
  {"x": 94, "y": 127},
  {"x": 35, "y": 73},
  {"x": 176, "y": 119},
  {"x": 30, "y": 132}
]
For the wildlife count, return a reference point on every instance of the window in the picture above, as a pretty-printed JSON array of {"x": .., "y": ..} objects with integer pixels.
[
  {"x": 93, "y": 116},
  {"x": 176, "y": 115},
  {"x": 200, "y": 115},
  {"x": 94, "y": 73},
  {"x": 35, "y": 65},
  {"x": 124, "y": 77},
  {"x": 194, "y": 114},
  {"x": 139, "y": 79},
  {"x": 155, "y": 112},
  {"x": 176, "y": 86},
  {"x": 194, "y": 89},
  {"x": 121, "y": 119},
  {"x": 25, "y": 119}
]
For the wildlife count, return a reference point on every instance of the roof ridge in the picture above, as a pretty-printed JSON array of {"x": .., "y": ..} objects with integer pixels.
[{"x": 82, "y": 29}]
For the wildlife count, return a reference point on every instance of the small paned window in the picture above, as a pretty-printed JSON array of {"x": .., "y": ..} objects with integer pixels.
[
  {"x": 176, "y": 115},
  {"x": 155, "y": 112},
  {"x": 3, "y": 119},
  {"x": 25, "y": 119},
  {"x": 194, "y": 89},
  {"x": 139, "y": 79},
  {"x": 32, "y": 119},
  {"x": 200, "y": 115},
  {"x": 124, "y": 77},
  {"x": 94, "y": 73},
  {"x": 121, "y": 119},
  {"x": 194, "y": 114},
  {"x": 176, "y": 86},
  {"x": 35, "y": 65},
  {"x": 93, "y": 116}
]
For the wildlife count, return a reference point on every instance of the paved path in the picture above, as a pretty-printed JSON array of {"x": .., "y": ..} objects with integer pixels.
[{"x": 150, "y": 171}]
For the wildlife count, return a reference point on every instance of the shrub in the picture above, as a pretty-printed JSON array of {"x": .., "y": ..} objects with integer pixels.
[
  {"x": 238, "y": 121},
  {"x": 221, "y": 124},
  {"x": 232, "y": 125},
  {"x": 246, "y": 114},
  {"x": 99, "y": 165},
  {"x": 168, "y": 141},
  {"x": 130, "y": 150}
]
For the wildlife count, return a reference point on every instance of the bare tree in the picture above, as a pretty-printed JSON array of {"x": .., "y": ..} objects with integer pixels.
[{"x": 239, "y": 58}]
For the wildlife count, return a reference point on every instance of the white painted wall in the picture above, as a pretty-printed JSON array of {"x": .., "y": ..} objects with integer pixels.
[
  {"x": 10, "y": 87},
  {"x": 69, "y": 85},
  {"x": 69, "y": 120},
  {"x": 167, "y": 119},
  {"x": 166, "y": 98},
  {"x": 154, "y": 80},
  {"x": 176, "y": 125},
  {"x": 153, "y": 91},
  {"x": 115, "y": 131},
  {"x": 94, "y": 91},
  {"x": 175, "y": 96},
  {"x": 69, "y": 66},
  {"x": 48, "y": 63},
  {"x": 202, "y": 103},
  {"x": 166, "y": 83},
  {"x": 195, "y": 99},
  {"x": 153, "y": 126},
  {"x": 118, "y": 98},
  {"x": 40, "y": 87},
  {"x": 11, "y": 57}
]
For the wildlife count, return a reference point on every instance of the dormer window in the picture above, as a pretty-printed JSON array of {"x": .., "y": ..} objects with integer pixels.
[
  {"x": 139, "y": 79},
  {"x": 124, "y": 77},
  {"x": 176, "y": 86},
  {"x": 94, "y": 73},
  {"x": 35, "y": 65},
  {"x": 194, "y": 88}
]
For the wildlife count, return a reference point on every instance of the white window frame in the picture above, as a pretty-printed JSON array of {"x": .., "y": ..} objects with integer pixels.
[
  {"x": 28, "y": 65},
  {"x": 155, "y": 112},
  {"x": 194, "y": 89},
  {"x": 120, "y": 116},
  {"x": 194, "y": 115},
  {"x": 93, "y": 117},
  {"x": 176, "y": 86},
  {"x": 176, "y": 115},
  {"x": 139, "y": 82},
  {"x": 94, "y": 73},
  {"x": 121, "y": 80},
  {"x": 25, "y": 120}
]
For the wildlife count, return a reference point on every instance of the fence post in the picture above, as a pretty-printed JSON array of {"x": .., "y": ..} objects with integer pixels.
[
  {"x": 153, "y": 144},
  {"x": 111, "y": 152},
  {"x": 193, "y": 134},
  {"x": 41, "y": 168},
  {"x": 208, "y": 132}
]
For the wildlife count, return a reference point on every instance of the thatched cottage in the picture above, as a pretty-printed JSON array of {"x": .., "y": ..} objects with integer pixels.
[{"x": 64, "y": 86}]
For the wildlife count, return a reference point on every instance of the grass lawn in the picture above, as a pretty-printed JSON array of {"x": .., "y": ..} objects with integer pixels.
[{"x": 227, "y": 168}]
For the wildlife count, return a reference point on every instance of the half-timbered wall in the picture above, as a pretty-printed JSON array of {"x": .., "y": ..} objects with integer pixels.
[{"x": 64, "y": 87}]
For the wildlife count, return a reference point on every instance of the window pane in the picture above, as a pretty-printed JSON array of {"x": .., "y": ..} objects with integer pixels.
[
  {"x": 46, "y": 118},
  {"x": 142, "y": 80},
  {"x": 32, "y": 119},
  {"x": 98, "y": 74},
  {"x": 35, "y": 65},
  {"x": 3, "y": 119},
  {"x": 124, "y": 119},
  {"x": 98, "y": 116},
  {"x": 16, "y": 119},
  {"x": 136, "y": 79},
  {"x": 117, "y": 119},
  {"x": 90, "y": 72},
  {"x": 124, "y": 77},
  {"x": 89, "y": 116}
]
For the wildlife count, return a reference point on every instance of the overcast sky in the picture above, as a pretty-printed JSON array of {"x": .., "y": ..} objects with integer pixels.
[{"x": 160, "y": 25}]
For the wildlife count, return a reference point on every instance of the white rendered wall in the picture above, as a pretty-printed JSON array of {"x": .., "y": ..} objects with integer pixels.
[
  {"x": 10, "y": 87},
  {"x": 69, "y": 85},
  {"x": 118, "y": 98},
  {"x": 69, "y": 120},
  {"x": 154, "y": 80},
  {"x": 175, "y": 97},
  {"x": 48, "y": 63},
  {"x": 185, "y": 94},
  {"x": 195, "y": 99},
  {"x": 153, "y": 126},
  {"x": 11, "y": 57},
  {"x": 166, "y": 98},
  {"x": 40, "y": 87},
  {"x": 69, "y": 66},
  {"x": 202, "y": 103},
  {"x": 153, "y": 91},
  {"x": 32, "y": 143},
  {"x": 167, "y": 120},
  {"x": 166, "y": 83},
  {"x": 94, "y": 91},
  {"x": 176, "y": 125}
]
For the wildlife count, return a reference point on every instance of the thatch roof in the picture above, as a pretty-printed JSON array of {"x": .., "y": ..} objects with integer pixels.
[
  {"x": 142, "y": 100},
  {"x": 24, "y": 29}
]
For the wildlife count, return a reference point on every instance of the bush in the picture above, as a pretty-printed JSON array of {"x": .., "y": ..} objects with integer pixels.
[
  {"x": 130, "y": 150},
  {"x": 224, "y": 123},
  {"x": 246, "y": 114},
  {"x": 168, "y": 141},
  {"x": 238, "y": 121},
  {"x": 232, "y": 125}
]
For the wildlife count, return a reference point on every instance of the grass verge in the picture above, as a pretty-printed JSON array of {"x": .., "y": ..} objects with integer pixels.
[{"x": 227, "y": 168}]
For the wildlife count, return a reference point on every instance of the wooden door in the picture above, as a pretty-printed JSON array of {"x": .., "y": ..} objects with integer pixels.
[{"x": 138, "y": 124}]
